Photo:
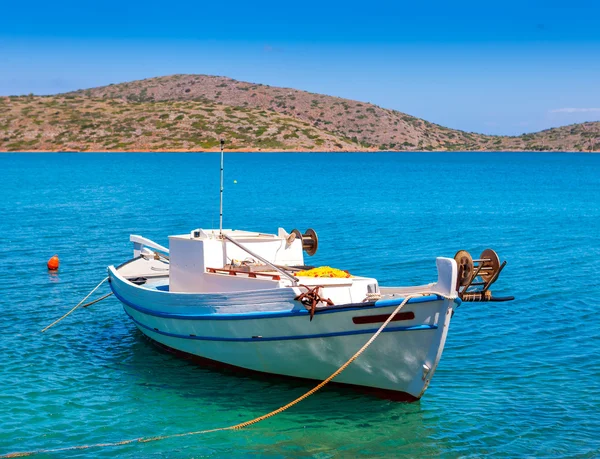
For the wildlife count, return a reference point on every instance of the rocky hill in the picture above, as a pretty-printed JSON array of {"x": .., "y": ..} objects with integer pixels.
[
  {"x": 81, "y": 124},
  {"x": 191, "y": 112}
]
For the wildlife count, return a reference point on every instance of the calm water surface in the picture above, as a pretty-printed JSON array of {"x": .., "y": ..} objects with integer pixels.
[{"x": 516, "y": 379}]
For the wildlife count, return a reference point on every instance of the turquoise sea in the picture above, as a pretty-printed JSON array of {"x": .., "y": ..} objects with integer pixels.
[{"x": 518, "y": 379}]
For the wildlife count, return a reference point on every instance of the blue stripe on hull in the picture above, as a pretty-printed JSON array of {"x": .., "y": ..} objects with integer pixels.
[
  {"x": 271, "y": 314},
  {"x": 286, "y": 338}
]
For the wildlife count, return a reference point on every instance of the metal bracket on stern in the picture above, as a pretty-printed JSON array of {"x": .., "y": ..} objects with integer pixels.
[{"x": 478, "y": 275}]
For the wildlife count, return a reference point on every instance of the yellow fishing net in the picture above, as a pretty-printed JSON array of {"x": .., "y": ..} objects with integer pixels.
[{"x": 323, "y": 271}]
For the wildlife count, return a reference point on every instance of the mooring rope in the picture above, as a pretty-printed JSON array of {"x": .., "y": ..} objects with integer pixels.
[
  {"x": 97, "y": 300},
  {"x": 243, "y": 424},
  {"x": 72, "y": 310}
]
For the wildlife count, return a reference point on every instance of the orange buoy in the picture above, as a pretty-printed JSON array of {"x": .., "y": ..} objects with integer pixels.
[{"x": 53, "y": 263}]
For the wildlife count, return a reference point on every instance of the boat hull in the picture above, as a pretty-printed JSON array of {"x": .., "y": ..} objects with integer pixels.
[
  {"x": 391, "y": 395},
  {"x": 285, "y": 342}
]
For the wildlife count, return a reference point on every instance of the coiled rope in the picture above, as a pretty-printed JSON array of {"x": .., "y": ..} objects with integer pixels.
[
  {"x": 79, "y": 304},
  {"x": 236, "y": 426},
  {"x": 374, "y": 296}
]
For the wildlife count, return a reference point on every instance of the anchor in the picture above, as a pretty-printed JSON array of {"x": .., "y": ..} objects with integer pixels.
[{"x": 311, "y": 298}]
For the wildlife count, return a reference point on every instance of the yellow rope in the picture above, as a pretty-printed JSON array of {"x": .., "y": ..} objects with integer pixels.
[
  {"x": 236, "y": 426},
  {"x": 72, "y": 310}
]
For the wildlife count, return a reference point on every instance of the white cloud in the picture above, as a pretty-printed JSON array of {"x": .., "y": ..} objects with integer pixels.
[{"x": 574, "y": 110}]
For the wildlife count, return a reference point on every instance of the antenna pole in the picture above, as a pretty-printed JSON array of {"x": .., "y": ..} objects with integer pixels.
[{"x": 221, "y": 193}]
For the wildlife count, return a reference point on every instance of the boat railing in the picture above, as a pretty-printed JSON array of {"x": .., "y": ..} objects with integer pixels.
[
  {"x": 140, "y": 242},
  {"x": 233, "y": 272}
]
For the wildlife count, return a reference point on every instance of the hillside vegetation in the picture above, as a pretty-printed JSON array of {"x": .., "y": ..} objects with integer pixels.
[
  {"x": 191, "y": 112},
  {"x": 80, "y": 124}
]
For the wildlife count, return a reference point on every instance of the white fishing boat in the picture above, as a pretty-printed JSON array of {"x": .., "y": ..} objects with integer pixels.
[{"x": 246, "y": 300}]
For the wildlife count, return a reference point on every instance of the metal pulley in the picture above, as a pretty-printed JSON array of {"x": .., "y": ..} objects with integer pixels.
[
  {"x": 465, "y": 264},
  {"x": 310, "y": 240},
  {"x": 490, "y": 265},
  {"x": 487, "y": 268}
]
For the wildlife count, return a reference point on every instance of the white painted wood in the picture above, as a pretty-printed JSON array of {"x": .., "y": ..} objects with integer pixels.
[
  {"x": 394, "y": 362},
  {"x": 140, "y": 242},
  {"x": 190, "y": 256},
  {"x": 275, "y": 335}
]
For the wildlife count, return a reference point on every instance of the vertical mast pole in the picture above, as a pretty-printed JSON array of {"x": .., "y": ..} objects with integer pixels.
[{"x": 221, "y": 193}]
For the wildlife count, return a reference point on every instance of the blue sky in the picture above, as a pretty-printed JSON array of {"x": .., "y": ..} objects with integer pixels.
[{"x": 496, "y": 67}]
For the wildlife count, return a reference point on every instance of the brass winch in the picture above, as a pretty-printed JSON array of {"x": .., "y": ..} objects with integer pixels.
[{"x": 480, "y": 273}]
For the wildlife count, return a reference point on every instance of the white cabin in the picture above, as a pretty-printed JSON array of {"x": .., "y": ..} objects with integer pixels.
[
  {"x": 192, "y": 255},
  {"x": 205, "y": 262}
]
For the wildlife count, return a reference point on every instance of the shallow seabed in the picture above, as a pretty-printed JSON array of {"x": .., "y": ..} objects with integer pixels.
[{"x": 516, "y": 379}]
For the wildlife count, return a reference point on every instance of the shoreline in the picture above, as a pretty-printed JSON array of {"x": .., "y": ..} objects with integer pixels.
[{"x": 255, "y": 150}]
